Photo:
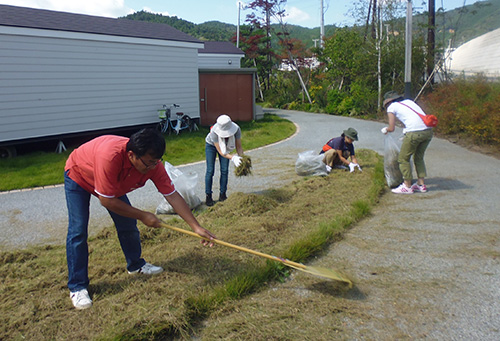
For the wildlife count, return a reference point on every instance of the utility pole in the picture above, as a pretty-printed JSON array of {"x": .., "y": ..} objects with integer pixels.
[
  {"x": 322, "y": 25},
  {"x": 315, "y": 42},
  {"x": 431, "y": 43},
  {"x": 238, "y": 26},
  {"x": 408, "y": 44}
]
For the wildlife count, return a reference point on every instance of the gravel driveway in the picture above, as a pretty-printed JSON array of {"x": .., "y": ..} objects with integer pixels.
[{"x": 426, "y": 265}]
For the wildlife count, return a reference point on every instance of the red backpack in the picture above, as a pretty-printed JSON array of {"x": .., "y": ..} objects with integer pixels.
[{"x": 429, "y": 120}]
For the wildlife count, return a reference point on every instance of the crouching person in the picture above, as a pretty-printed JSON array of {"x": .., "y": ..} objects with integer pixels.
[{"x": 339, "y": 150}]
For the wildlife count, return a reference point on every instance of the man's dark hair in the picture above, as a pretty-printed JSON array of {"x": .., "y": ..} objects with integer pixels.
[{"x": 147, "y": 141}]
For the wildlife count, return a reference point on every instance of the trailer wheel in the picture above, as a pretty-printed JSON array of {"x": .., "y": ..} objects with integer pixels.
[{"x": 7, "y": 152}]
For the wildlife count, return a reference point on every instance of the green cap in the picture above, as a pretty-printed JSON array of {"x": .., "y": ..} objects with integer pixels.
[{"x": 351, "y": 133}]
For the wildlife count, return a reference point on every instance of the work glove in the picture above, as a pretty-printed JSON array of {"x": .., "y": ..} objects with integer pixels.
[
  {"x": 236, "y": 160},
  {"x": 352, "y": 166},
  {"x": 384, "y": 130},
  {"x": 404, "y": 131}
]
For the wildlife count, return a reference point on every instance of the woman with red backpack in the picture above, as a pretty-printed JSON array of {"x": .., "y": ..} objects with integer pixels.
[{"x": 418, "y": 135}]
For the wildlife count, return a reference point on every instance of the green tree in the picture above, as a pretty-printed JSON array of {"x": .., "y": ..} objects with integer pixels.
[
  {"x": 349, "y": 68},
  {"x": 254, "y": 42}
]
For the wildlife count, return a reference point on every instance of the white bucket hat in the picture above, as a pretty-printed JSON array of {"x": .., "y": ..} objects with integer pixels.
[{"x": 225, "y": 127}]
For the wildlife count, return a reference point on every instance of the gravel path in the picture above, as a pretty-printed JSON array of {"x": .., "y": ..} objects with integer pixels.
[
  {"x": 40, "y": 215},
  {"x": 426, "y": 265}
]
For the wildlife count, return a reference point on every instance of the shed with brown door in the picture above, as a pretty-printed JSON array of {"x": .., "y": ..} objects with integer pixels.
[{"x": 225, "y": 87}]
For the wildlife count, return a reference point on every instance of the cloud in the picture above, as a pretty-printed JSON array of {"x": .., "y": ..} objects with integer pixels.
[{"x": 295, "y": 15}]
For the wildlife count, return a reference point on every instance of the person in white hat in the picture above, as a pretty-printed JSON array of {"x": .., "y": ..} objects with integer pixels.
[
  {"x": 416, "y": 140},
  {"x": 224, "y": 137}
]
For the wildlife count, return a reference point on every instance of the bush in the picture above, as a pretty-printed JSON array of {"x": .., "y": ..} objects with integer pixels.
[{"x": 467, "y": 108}]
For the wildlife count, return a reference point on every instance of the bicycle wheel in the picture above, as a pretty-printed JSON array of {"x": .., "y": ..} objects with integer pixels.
[
  {"x": 186, "y": 123},
  {"x": 163, "y": 127},
  {"x": 168, "y": 127},
  {"x": 159, "y": 126}
]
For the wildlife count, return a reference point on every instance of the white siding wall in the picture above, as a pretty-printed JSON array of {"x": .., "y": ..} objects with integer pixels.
[
  {"x": 219, "y": 61},
  {"x": 53, "y": 85},
  {"x": 479, "y": 55}
]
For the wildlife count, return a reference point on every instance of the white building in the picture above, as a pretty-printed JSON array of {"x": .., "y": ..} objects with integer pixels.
[
  {"x": 64, "y": 73},
  {"x": 479, "y": 55}
]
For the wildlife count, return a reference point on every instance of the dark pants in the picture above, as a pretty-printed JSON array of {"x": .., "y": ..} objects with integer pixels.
[
  {"x": 77, "y": 254},
  {"x": 210, "y": 154}
]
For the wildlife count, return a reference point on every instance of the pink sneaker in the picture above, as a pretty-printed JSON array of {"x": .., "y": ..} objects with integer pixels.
[
  {"x": 402, "y": 189},
  {"x": 417, "y": 188}
]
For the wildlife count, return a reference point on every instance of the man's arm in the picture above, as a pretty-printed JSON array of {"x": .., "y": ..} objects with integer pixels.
[
  {"x": 182, "y": 209},
  {"x": 119, "y": 207}
]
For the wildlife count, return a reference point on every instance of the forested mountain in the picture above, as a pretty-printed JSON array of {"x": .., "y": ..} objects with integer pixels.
[
  {"x": 208, "y": 31},
  {"x": 460, "y": 25},
  {"x": 466, "y": 23}
]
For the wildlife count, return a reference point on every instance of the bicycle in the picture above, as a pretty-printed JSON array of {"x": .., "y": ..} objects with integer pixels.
[{"x": 182, "y": 121}]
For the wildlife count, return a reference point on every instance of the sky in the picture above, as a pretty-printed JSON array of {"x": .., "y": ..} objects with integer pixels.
[{"x": 304, "y": 13}]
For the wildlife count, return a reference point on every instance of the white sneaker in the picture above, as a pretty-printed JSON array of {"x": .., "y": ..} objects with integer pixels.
[
  {"x": 147, "y": 269},
  {"x": 402, "y": 189},
  {"x": 418, "y": 188},
  {"x": 81, "y": 299}
]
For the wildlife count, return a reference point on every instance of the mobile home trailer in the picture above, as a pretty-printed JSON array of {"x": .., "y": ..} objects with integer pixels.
[{"x": 64, "y": 73}]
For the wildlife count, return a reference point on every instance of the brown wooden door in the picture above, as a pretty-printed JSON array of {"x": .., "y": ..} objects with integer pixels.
[{"x": 230, "y": 94}]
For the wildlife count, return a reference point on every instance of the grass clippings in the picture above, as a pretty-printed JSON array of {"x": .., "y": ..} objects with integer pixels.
[
  {"x": 245, "y": 168},
  {"x": 296, "y": 222}
]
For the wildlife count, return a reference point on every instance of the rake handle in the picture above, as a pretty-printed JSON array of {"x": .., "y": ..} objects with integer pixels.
[{"x": 244, "y": 249}]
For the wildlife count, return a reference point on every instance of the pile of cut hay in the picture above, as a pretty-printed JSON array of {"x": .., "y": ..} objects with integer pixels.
[{"x": 245, "y": 168}]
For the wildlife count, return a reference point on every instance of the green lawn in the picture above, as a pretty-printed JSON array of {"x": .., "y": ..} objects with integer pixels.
[{"x": 43, "y": 168}]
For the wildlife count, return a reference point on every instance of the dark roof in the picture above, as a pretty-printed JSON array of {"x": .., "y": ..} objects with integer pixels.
[
  {"x": 63, "y": 21},
  {"x": 224, "y": 47}
]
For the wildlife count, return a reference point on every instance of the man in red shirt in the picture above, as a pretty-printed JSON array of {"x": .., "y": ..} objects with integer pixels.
[{"x": 109, "y": 167}]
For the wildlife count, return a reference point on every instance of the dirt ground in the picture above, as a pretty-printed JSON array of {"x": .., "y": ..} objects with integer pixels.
[
  {"x": 493, "y": 151},
  {"x": 425, "y": 266}
]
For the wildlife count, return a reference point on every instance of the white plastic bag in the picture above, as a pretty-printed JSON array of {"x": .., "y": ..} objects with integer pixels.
[
  {"x": 185, "y": 185},
  {"x": 393, "y": 175},
  {"x": 310, "y": 163}
]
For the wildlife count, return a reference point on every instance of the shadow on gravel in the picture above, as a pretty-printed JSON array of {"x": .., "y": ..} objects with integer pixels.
[
  {"x": 445, "y": 184},
  {"x": 337, "y": 289}
]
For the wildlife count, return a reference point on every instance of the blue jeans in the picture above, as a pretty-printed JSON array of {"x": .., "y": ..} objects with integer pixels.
[
  {"x": 77, "y": 254},
  {"x": 210, "y": 154}
]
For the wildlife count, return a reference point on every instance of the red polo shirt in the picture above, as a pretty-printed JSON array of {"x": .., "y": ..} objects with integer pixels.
[{"x": 102, "y": 167}]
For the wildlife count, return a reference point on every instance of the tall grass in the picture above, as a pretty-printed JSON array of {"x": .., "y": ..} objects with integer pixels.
[{"x": 44, "y": 169}]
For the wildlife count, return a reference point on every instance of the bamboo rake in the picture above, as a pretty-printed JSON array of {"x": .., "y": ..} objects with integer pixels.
[{"x": 318, "y": 271}]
